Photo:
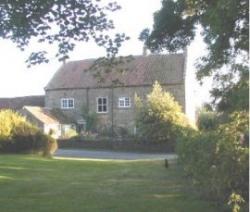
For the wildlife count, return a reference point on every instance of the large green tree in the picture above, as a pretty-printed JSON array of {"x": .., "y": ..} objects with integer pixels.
[
  {"x": 225, "y": 30},
  {"x": 59, "y": 22},
  {"x": 159, "y": 117}
]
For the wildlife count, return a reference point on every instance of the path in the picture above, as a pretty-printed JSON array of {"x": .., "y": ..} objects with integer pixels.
[{"x": 104, "y": 154}]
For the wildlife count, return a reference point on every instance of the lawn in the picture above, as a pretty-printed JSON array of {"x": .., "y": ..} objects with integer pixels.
[{"x": 30, "y": 183}]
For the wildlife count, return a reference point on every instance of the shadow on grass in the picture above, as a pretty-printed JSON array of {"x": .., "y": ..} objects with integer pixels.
[{"x": 94, "y": 185}]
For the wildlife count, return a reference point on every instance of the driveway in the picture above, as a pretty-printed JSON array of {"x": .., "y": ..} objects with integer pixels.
[{"x": 112, "y": 155}]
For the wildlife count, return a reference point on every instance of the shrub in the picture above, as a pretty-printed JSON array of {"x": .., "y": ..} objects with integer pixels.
[
  {"x": 122, "y": 132},
  {"x": 8, "y": 121},
  {"x": 105, "y": 131},
  {"x": 207, "y": 120},
  {"x": 217, "y": 161},
  {"x": 160, "y": 117},
  {"x": 70, "y": 133},
  {"x": 19, "y": 136},
  {"x": 91, "y": 119}
]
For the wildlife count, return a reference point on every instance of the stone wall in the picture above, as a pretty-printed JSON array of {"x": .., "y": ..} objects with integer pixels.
[
  {"x": 117, "y": 145},
  {"x": 123, "y": 117}
]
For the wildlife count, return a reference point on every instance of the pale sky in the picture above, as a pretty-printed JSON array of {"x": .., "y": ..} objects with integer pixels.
[{"x": 18, "y": 80}]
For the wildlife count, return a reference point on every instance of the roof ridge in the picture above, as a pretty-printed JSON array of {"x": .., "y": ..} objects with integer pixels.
[
  {"x": 141, "y": 71},
  {"x": 143, "y": 56}
]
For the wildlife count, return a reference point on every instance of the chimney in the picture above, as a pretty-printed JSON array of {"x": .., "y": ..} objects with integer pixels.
[{"x": 144, "y": 51}]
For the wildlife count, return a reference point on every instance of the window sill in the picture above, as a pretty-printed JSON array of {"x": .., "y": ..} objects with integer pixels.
[
  {"x": 102, "y": 112},
  {"x": 67, "y": 108}
]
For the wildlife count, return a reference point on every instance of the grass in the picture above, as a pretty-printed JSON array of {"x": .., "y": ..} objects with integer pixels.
[{"x": 31, "y": 183}]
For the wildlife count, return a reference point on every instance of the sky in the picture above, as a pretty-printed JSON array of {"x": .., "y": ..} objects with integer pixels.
[{"x": 18, "y": 80}]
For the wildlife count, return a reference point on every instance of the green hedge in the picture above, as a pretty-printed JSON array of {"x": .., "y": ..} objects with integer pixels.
[
  {"x": 117, "y": 144},
  {"x": 19, "y": 136},
  {"x": 217, "y": 161}
]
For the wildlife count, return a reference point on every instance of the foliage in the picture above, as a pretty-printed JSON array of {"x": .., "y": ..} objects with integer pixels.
[
  {"x": 121, "y": 132},
  {"x": 229, "y": 96},
  {"x": 17, "y": 135},
  {"x": 217, "y": 160},
  {"x": 10, "y": 120},
  {"x": 102, "y": 67},
  {"x": 235, "y": 201},
  {"x": 105, "y": 131},
  {"x": 87, "y": 135},
  {"x": 160, "y": 117},
  {"x": 207, "y": 120},
  {"x": 225, "y": 30},
  {"x": 70, "y": 133},
  {"x": 61, "y": 22},
  {"x": 90, "y": 117}
]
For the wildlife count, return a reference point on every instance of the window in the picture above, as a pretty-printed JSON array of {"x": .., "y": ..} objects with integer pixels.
[
  {"x": 124, "y": 102},
  {"x": 102, "y": 105},
  {"x": 67, "y": 103}
]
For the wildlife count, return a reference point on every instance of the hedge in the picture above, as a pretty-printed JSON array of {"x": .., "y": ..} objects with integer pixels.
[
  {"x": 19, "y": 136},
  {"x": 217, "y": 161}
]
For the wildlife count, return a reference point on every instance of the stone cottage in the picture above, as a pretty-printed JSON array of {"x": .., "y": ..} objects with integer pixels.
[
  {"x": 49, "y": 121},
  {"x": 74, "y": 86}
]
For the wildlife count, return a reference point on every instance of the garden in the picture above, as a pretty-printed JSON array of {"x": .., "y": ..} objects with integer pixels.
[{"x": 212, "y": 167}]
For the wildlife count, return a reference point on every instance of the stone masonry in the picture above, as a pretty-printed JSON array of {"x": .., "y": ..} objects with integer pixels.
[{"x": 71, "y": 81}]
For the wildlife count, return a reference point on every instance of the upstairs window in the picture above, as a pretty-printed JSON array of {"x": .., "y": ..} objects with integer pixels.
[
  {"x": 102, "y": 104},
  {"x": 67, "y": 103},
  {"x": 124, "y": 102}
]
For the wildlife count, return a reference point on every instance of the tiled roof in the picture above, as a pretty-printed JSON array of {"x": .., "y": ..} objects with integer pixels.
[
  {"x": 142, "y": 70},
  {"x": 41, "y": 114},
  {"x": 17, "y": 103},
  {"x": 46, "y": 115}
]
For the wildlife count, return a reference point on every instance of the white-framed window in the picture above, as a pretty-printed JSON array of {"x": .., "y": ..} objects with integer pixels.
[
  {"x": 102, "y": 104},
  {"x": 67, "y": 103},
  {"x": 124, "y": 102}
]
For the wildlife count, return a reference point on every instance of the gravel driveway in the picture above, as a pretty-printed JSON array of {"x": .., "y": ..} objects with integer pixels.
[{"x": 102, "y": 154}]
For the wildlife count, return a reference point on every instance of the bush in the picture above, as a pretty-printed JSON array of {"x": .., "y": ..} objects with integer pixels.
[
  {"x": 70, "y": 133},
  {"x": 217, "y": 161},
  {"x": 207, "y": 120},
  {"x": 159, "y": 118},
  {"x": 19, "y": 136},
  {"x": 105, "y": 131},
  {"x": 91, "y": 119},
  {"x": 122, "y": 132}
]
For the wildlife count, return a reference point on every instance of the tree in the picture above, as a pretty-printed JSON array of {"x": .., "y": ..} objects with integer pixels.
[
  {"x": 160, "y": 117},
  {"x": 17, "y": 135},
  {"x": 61, "y": 22},
  {"x": 207, "y": 119},
  {"x": 229, "y": 97},
  {"x": 225, "y": 25}
]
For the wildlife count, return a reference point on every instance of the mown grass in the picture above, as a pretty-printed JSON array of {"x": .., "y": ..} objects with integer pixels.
[{"x": 30, "y": 183}]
